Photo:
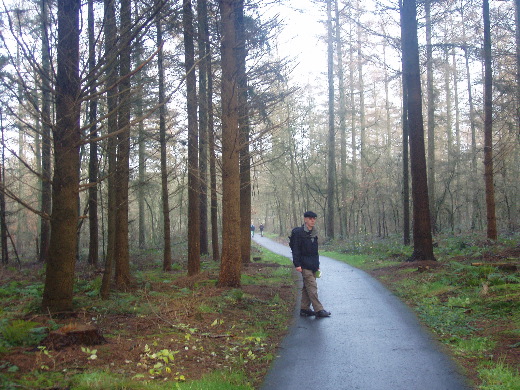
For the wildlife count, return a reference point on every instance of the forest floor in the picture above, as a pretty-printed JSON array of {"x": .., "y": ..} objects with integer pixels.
[{"x": 172, "y": 327}]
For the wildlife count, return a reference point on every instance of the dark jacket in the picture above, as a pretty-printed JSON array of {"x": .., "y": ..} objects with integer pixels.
[{"x": 305, "y": 250}]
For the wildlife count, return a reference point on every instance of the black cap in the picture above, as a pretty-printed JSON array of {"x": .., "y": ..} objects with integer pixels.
[{"x": 310, "y": 214}]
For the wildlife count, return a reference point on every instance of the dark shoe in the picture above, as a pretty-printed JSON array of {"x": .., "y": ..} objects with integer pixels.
[
  {"x": 306, "y": 313},
  {"x": 322, "y": 313}
]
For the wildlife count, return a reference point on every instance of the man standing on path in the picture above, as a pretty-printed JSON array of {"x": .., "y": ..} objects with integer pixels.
[{"x": 307, "y": 261}]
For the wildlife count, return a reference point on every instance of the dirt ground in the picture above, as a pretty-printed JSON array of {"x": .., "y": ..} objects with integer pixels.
[{"x": 199, "y": 341}]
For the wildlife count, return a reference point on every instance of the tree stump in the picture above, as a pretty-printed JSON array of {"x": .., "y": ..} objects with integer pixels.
[{"x": 74, "y": 334}]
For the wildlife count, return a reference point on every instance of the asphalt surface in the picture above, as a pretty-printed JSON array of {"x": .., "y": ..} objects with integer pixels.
[{"x": 372, "y": 341}]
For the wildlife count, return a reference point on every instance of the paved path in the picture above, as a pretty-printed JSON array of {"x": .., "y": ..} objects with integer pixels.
[{"x": 372, "y": 341}]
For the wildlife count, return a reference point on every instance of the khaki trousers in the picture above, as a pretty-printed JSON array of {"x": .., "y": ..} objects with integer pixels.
[{"x": 310, "y": 291}]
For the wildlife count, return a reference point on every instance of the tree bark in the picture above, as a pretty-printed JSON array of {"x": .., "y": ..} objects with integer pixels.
[
  {"x": 431, "y": 113},
  {"x": 406, "y": 178},
  {"x": 244, "y": 129},
  {"x": 141, "y": 150},
  {"x": 46, "y": 187},
  {"x": 59, "y": 276},
  {"x": 488, "y": 127},
  {"x": 474, "y": 173},
  {"x": 167, "y": 251},
  {"x": 422, "y": 235},
  {"x": 354, "y": 132},
  {"x": 203, "y": 37},
  {"x": 230, "y": 267},
  {"x": 517, "y": 42},
  {"x": 193, "y": 162},
  {"x": 212, "y": 163},
  {"x": 342, "y": 125},
  {"x": 515, "y": 213},
  {"x": 122, "y": 264},
  {"x": 111, "y": 97},
  {"x": 331, "y": 141},
  {"x": 3, "y": 225},
  {"x": 362, "y": 116},
  {"x": 93, "y": 252}
]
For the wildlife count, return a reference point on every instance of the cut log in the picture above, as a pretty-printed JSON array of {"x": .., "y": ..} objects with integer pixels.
[{"x": 74, "y": 334}]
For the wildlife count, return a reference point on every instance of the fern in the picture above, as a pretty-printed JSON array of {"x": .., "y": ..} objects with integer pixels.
[{"x": 20, "y": 332}]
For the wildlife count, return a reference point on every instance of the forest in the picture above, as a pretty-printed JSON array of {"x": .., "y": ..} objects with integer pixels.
[{"x": 163, "y": 130}]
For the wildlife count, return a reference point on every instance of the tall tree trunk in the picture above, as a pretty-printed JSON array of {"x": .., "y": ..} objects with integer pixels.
[
  {"x": 388, "y": 143},
  {"x": 431, "y": 114},
  {"x": 361, "y": 210},
  {"x": 203, "y": 37},
  {"x": 193, "y": 158},
  {"x": 362, "y": 116},
  {"x": 488, "y": 127},
  {"x": 475, "y": 204},
  {"x": 122, "y": 265},
  {"x": 212, "y": 162},
  {"x": 3, "y": 225},
  {"x": 517, "y": 41},
  {"x": 449, "y": 115},
  {"x": 141, "y": 138},
  {"x": 516, "y": 197},
  {"x": 46, "y": 187},
  {"x": 422, "y": 235},
  {"x": 230, "y": 267},
  {"x": 331, "y": 141},
  {"x": 353, "y": 130},
  {"x": 243, "y": 125},
  {"x": 93, "y": 249},
  {"x": 342, "y": 125},
  {"x": 456, "y": 104},
  {"x": 59, "y": 275},
  {"x": 167, "y": 251},
  {"x": 111, "y": 79},
  {"x": 294, "y": 175},
  {"x": 406, "y": 179},
  {"x": 21, "y": 219}
]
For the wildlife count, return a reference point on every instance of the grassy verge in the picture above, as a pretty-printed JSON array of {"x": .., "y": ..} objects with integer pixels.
[
  {"x": 170, "y": 332},
  {"x": 473, "y": 309}
]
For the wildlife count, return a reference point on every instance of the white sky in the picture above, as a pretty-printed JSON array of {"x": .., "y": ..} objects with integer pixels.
[{"x": 300, "y": 38}]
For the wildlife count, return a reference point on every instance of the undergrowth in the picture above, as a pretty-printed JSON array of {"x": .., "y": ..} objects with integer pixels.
[{"x": 224, "y": 331}]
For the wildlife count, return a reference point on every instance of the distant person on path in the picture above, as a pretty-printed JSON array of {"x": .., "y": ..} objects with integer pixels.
[
  {"x": 307, "y": 261},
  {"x": 252, "y": 230},
  {"x": 261, "y": 230}
]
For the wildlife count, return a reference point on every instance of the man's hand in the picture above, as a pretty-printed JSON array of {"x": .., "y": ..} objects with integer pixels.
[{"x": 299, "y": 269}]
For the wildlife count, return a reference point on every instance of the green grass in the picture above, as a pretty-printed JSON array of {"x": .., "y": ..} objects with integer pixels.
[
  {"x": 499, "y": 377},
  {"x": 109, "y": 381},
  {"x": 34, "y": 380},
  {"x": 270, "y": 257},
  {"x": 473, "y": 346}
]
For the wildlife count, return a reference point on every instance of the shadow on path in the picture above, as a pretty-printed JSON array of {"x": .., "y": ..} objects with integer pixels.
[{"x": 372, "y": 341}]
